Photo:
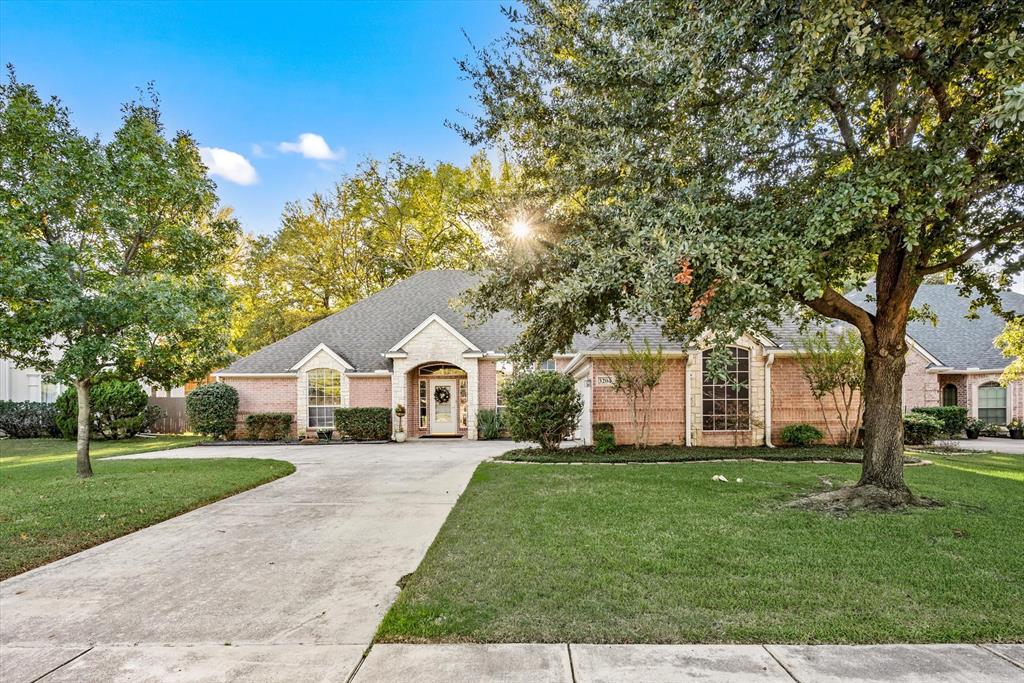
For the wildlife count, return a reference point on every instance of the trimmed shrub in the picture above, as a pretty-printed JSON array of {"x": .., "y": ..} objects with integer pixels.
[
  {"x": 269, "y": 426},
  {"x": 801, "y": 434},
  {"x": 953, "y": 418},
  {"x": 543, "y": 407},
  {"x": 363, "y": 424},
  {"x": 66, "y": 413},
  {"x": 488, "y": 424},
  {"x": 28, "y": 419},
  {"x": 117, "y": 409},
  {"x": 604, "y": 437},
  {"x": 920, "y": 429},
  {"x": 212, "y": 409}
]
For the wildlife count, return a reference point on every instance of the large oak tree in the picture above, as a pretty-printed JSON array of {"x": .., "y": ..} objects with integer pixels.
[
  {"x": 111, "y": 254},
  {"x": 716, "y": 164}
]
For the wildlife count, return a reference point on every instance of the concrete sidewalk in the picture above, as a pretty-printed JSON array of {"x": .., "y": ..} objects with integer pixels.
[{"x": 531, "y": 663}]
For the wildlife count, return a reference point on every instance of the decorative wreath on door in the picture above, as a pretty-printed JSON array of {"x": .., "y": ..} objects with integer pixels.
[{"x": 442, "y": 395}]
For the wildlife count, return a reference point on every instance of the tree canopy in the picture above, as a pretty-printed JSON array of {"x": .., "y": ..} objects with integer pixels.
[
  {"x": 111, "y": 254},
  {"x": 713, "y": 164},
  {"x": 383, "y": 223}
]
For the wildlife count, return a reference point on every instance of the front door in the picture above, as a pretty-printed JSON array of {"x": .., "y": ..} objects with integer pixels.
[{"x": 442, "y": 406}]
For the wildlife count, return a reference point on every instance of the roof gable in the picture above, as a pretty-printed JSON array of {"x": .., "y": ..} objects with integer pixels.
[
  {"x": 362, "y": 333},
  {"x": 433, "y": 319}
]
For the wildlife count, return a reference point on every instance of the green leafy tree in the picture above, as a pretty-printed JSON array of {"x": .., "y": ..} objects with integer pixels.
[
  {"x": 376, "y": 227},
  {"x": 710, "y": 163},
  {"x": 111, "y": 254},
  {"x": 1011, "y": 343},
  {"x": 636, "y": 373},
  {"x": 833, "y": 366}
]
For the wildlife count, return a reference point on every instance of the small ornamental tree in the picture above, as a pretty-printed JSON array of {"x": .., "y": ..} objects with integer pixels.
[
  {"x": 543, "y": 407},
  {"x": 710, "y": 163},
  {"x": 111, "y": 254},
  {"x": 212, "y": 409},
  {"x": 833, "y": 366},
  {"x": 636, "y": 373}
]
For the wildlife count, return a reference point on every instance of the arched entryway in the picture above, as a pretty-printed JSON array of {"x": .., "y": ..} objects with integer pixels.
[{"x": 438, "y": 400}]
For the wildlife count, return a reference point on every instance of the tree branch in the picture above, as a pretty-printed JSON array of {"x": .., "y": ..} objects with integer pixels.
[
  {"x": 970, "y": 252},
  {"x": 834, "y": 305}
]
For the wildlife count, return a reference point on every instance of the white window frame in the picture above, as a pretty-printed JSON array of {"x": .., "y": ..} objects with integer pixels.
[{"x": 316, "y": 403}]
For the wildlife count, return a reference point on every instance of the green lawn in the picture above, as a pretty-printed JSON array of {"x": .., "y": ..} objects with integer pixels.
[
  {"x": 661, "y": 553},
  {"x": 625, "y": 454},
  {"x": 46, "y": 512}
]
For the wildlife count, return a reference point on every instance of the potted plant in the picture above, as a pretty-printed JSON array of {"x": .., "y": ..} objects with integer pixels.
[
  {"x": 1016, "y": 428},
  {"x": 973, "y": 427},
  {"x": 324, "y": 433},
  {"x": 399, "y": 429}
]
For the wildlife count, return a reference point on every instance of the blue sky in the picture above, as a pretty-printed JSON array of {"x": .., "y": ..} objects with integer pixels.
[{"x": 367, "y": 78}]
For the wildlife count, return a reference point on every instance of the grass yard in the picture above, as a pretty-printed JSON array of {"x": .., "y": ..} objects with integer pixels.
[
  {"x": 46, "y": 512},
  {"x": 627, "y": 454},
  {"x": 663, "y": 554}
]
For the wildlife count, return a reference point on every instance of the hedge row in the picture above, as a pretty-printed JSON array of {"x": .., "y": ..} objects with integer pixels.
[
  {"x": 953, "y": 418},
  {"x": 269, "y": 426},
  {"x": 363, "y": 424},
  {"x": 28, "y": 419}
]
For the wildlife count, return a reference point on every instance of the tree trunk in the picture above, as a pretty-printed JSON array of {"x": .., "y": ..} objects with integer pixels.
[
  {"x": 883, "y": 420},
  {"x": 83, "y": 465}
]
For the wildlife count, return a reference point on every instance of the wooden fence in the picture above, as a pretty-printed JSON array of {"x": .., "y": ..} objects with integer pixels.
[{"x": 174, "y": 420}]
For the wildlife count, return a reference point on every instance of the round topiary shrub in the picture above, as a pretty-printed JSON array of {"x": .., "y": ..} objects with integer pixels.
[
  {"x": 543, "y": 407},
  {"x": 801, "y": 434},
  {"x": 212, "y": 409}
]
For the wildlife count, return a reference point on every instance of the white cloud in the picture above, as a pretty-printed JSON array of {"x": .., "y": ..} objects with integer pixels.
[
  {"x": 258, "y": 152},
  {"x": 312, "y": 146},
  {"x": 230, "y": 166}
]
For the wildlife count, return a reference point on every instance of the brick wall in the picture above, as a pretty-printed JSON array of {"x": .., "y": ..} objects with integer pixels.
[
  {"x": 793, "y": 402},
  {"x": 667, "y": 421},
  {"x": 263, "y": 395},
  {"x": 921, "y": 388},
  {"x": 369, "y": 392},
  {"x": 487, "y": 374}
]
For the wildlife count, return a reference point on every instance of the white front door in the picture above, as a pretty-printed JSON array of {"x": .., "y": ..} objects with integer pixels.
[{"x": 443, "y": 414}]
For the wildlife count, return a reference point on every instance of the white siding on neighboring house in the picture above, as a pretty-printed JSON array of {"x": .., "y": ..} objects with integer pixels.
[{"x": 17, "y": 384}]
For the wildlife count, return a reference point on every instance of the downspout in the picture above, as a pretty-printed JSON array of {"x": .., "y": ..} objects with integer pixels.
[
  {"x": 687, "y": 408},
  {"x": 768, "y": 361}
]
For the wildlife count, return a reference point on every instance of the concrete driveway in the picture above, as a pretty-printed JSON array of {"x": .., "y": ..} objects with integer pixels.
[
  {"x": 287, "y": 581},
  {"x": 991, "y": 443}
]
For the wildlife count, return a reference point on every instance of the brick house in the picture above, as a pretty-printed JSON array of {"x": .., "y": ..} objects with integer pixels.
[{"x": 411, "y": 345}]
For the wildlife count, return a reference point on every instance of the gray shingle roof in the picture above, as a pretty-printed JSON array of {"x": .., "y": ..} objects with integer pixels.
[
  {"x": 365, "y": 330},
  {"x": 369, "y": 328},
  {"x": 957, "y": 341}
]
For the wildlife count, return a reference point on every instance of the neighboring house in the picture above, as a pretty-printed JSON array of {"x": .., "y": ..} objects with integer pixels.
[
  {"x": 25, "y": 384},
  {"x": 410, "y": 344}
]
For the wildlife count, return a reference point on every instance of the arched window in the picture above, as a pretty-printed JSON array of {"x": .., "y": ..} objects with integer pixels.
[
  {"x": 324, "y": 396},
  {"x": 726, "y": 392},
  {"x": 949, "y": 397},
  {"x": 992, "y": 403}
]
